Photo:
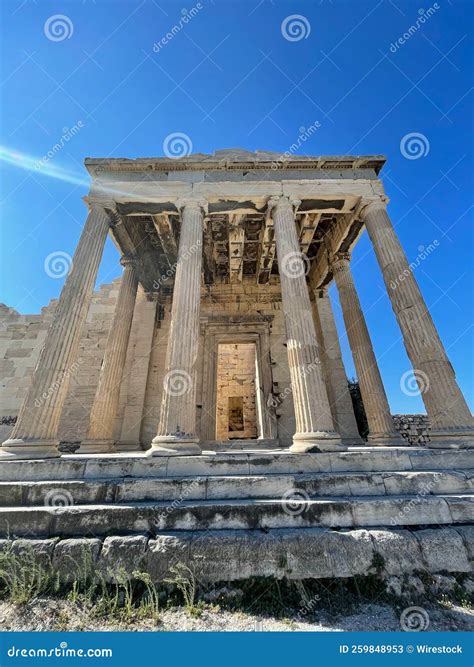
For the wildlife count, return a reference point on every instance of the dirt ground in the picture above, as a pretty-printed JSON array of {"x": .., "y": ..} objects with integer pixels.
[{"x": 50, "y": 614}]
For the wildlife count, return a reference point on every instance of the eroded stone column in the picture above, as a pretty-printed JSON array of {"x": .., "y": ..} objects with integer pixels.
[
  {"x": 177, "y": 426},
  {"x": 104, "y": 408},
  {"x": 35, "y": 434},
  {"x": 450, "y": 417},
  {"x": 314, "y": 425},
  {"x": 336, "y": 378},
  {"x": 381, "y": 426}
]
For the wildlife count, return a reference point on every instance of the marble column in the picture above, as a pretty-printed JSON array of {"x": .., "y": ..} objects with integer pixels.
[
  {"x": 136, "y": 370},
  {"x": 177, "y": 426},
  {"x": 35, "y": 434},
  {"x": 451, "y": 420},
  {"x": 100, "y": 437},
  {"x": 381, "y": 426},
  {"x": 314, "y": 425},
  {"x": 336, "y": 378}
]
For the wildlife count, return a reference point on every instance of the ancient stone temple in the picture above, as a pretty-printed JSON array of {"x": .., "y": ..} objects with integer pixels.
[{"x": 211, "y": 371}]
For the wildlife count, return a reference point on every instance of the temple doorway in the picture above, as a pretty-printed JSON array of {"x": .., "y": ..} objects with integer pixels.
[{"x": 238, "y": 402}]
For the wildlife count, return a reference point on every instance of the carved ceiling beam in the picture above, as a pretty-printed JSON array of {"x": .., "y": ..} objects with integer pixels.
[
  {"x": 165, "y": 233},
  {"x": 236, "y": 247},
  {"x": 267, "y": 253}
]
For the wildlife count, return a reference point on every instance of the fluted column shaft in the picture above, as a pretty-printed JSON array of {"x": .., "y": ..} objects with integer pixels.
[
  {"x": 381, "y": 426},
  {"x": 314, "y": 425},
  {"x": 104, "y": 408},
  {"x": 450, "y": 417},
  {"x": 36, "y": 431},
  {"x": 336, "y": 378},
  {"x": 177, "y": 426}
]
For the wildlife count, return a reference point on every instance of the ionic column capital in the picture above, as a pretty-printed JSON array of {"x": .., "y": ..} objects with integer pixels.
[
  {"x": 129, "y": 260},
  {"x": 152, "y": 296},
  {"x": 193, "y": 203},
  {"x": 341, "y": 257},
  {"x": 282, "y": 201},
  {"x": 369, "y": 205},
  {"x": 321, "y": 292}
]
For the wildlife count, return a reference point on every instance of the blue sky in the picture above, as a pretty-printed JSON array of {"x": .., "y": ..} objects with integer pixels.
[{"x": 232, "y": 78}]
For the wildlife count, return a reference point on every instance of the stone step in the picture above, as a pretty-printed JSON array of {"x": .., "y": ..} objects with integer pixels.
[
  {"x": 264, "y": 514},
  {"x": 229, "y": 555},
  {"x": 146, "y": 489},
  {"x": 121, "y": 466}
]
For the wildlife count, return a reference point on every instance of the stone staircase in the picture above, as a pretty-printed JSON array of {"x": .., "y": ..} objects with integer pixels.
[{"x": 247, "y": 513}]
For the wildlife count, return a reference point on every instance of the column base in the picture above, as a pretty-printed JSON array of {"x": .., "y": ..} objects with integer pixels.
[
  {"x": 128, "y": 447},
  {"x": 29, "y": 448},
  {"x": 386, "y": 440},
  {"x": 452, "y": 438},
  {"x": 352, "y": 442},
  {"x": 319, "y": 441},
  {"x": 169, "y": 445},
  {"x": 96, "y": 447}
]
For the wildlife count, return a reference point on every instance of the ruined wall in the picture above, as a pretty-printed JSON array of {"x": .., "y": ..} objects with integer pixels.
[
  {"x": 21, "y": 339},
  {"x": 414, "y": 428}
]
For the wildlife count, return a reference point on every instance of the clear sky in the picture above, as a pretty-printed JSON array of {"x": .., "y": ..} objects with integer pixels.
[{"x": 238, "y": 74}]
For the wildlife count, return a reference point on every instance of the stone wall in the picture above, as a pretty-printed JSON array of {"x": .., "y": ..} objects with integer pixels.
[{"x": 414, "y": 428}]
